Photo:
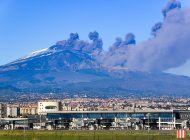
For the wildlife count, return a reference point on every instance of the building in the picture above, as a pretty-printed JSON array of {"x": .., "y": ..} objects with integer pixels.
[
  {"x": 14, "y": 123},
  {"x": 37, "y": 122},
  {"x": 136, "y": 120},
  {"x": 12, "y": 111},
  {"x": 99, "y": 120},
  {"x": 29, "y": 110},
  {"x": 48, "y": 106}
]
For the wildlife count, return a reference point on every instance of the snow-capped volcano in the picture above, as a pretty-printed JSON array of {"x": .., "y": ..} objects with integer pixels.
[{"x": 72, "y": 54}]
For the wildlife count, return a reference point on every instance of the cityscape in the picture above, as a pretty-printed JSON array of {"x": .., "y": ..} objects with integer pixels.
[
  {"x": 84, "y": 113},
  {"x": 94, "y": 70}
]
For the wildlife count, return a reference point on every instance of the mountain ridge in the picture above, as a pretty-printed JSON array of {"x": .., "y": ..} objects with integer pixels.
[{"x": 63, "y": 68}]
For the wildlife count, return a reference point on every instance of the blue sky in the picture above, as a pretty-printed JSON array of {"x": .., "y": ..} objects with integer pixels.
[{"x": 30, "y": 25}]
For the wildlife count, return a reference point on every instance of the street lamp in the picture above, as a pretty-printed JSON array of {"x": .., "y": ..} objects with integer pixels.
[{"x": 148, "y": 122}]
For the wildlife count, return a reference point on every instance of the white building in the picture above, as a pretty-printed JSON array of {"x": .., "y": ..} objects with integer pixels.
[
  {"x": 48, "y": 106},
  {"x": 12, "y": 111}
]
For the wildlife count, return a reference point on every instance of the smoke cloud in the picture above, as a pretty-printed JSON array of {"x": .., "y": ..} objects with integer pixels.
[
  {"x": 156, "y": 28},
  {"x": 96, "y": 46},
  {"x": 93, "y": 36},
  {"x": 72, "y": 40},
  {"x": 70, "y": 43},
  {"x": 170, "y": 48},
  {"x": 171, "y": 5},
  {"x": 116, "y": 56},
  {"x": 120, "y": 43},
  {"x": 73, "y": 43},
  {"x": 129, "y": 39}
]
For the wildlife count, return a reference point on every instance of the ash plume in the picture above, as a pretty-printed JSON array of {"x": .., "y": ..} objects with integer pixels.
[
  {"x": 116, "y": 56},
  {"x": 74, "y": 37},
  {"x": 96, "y": 46},
  {"x": 169, "y": 49},
  {"x": 129, "y": 39},
  {"x": 120, "y": 43},
  {"x": 156, "y": 28},
  {"x": 171, "y": 5},
  {"x": 74, "y": 43},
  {"x": 93, "y": 36},
  {"x": 72, "y": 40}
]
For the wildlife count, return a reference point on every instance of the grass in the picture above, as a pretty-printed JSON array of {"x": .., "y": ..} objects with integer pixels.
[{"x": 88, "y": 135}]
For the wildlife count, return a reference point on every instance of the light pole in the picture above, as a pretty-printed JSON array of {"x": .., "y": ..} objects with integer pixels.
[
  {"x": 148, "y": 125},
  {"x": 24, "y": 127},
  {"x": 148, "y": 122}
]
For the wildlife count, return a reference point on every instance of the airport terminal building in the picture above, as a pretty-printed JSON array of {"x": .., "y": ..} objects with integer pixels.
[{"x": 130, "y": 120}]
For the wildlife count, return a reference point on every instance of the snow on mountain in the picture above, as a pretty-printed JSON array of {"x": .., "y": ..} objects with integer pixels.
[{"x": 35, "y": 53}]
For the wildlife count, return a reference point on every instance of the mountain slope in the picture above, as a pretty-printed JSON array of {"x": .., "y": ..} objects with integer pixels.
[{"x": 60, "y": 69}]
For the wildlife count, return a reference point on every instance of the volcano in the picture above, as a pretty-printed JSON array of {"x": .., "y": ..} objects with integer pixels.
[{"x": 72, "y": 66}]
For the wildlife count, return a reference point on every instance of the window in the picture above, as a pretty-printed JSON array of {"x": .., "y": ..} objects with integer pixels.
[{"x": 50, "y": 107}]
